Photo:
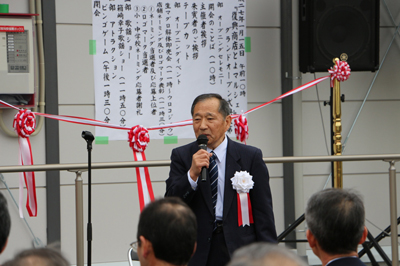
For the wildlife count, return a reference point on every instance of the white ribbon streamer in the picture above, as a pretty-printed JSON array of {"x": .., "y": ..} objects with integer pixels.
[
  {"x": 21, "y": 185},
  {"x": 25, "y": 159},
  {"x": 244, "y": 207},
  {"x": 142, "y": 176}
]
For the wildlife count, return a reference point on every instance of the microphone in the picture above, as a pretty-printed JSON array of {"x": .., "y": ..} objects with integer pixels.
[
  {"x": 202, "y": 140},
  {"x": 88, "y": 136}
]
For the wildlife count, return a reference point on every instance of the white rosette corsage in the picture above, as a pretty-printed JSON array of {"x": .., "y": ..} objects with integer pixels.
[{"x": 242, "y": 182}]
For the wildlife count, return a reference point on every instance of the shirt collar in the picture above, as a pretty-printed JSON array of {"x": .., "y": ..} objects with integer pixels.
[
  {"x": 341, "y": 258},
  {"x": 220, "y": 151}
]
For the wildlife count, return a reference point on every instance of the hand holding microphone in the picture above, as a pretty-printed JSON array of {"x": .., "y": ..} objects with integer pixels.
[{"x": 202, "y": 141}]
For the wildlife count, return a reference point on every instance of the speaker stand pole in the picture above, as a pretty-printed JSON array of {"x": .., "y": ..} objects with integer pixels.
[
  {"x": 291, "y": 228},
  {"x": 89, "y": 139}
]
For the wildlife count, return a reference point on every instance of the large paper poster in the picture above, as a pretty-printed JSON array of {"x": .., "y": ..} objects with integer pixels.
[{"x": 154, "y": 57}]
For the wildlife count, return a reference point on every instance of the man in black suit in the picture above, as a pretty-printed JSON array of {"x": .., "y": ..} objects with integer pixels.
[
  {"x": 219, "y": 233},
  {"x": 5, "y": 223},
  {"x": 335, "y": 219}
]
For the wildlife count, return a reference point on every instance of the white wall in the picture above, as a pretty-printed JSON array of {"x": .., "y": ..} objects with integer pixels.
[
  {"x": 115, "y": 208},
  {"x": 20, "y": 236}
]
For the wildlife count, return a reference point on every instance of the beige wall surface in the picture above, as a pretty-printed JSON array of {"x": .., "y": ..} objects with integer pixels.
[{"x": 115, "y": 207}]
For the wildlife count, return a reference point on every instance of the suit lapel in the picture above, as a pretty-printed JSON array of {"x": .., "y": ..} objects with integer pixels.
[{"x": 232, "y": 165}]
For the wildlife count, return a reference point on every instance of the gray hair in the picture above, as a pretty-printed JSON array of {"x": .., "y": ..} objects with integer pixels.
[
  {"x": 336, "y": 219},
  {"x": 39, "y": 257},
  {"x": 260, "y": 254},
  {"x": 224, "y": 108}
]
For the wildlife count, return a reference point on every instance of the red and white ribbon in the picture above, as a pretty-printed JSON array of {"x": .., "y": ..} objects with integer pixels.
[
  {"x": 92, "y": 122},
  {"x": 245, "y": 214},
  {"x": 24, "y": 124},
  {"x": 340, "y": 71},
  {"x": 138, "y": 138},
  {"x": 241, "y": 128},
  {"x": 295, "y": 90},
  {"x": 140, "y": 142}
]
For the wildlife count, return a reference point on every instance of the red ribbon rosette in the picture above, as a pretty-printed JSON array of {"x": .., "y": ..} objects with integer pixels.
[
  {"x": 242, "y": 182},
  {"x": 138, "y": 138},
  {"x": 241, "y": 128},
  {"x": 24, "y": 124},
  {"x": 340, "y": 71}
]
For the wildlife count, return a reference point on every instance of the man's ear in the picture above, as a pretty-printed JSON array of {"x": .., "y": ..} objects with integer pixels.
[
  {"x": 4, "y": 247},
  {"x": 195, "y": 247},
  {"x": 146, "y": 248},
  {"x": 364, "y": 235},
  {"x": 311, "y": 238},
  {"x": 228, "y": 121}
]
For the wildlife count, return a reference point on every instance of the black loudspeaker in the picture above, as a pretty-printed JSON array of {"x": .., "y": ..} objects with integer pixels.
[{"x": 344, "y": 29}]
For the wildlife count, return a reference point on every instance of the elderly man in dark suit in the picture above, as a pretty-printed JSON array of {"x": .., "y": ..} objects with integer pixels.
[
  {"x": 220, "y": 207},
  {"x": 335, "y": 219}
]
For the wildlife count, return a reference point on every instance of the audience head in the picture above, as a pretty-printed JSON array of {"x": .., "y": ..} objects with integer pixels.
[
  {"x": 39, "y": 257},
  {"x": 260, "y": 254},
  {"x": 335, "y": 219},
  {"x": 224, "y": 108},
  {"x": 167, "y": 231},
  {"x": 5, "y": 222}
]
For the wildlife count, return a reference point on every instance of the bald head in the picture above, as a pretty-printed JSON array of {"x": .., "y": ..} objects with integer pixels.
[{"x": 260, "y": 254}]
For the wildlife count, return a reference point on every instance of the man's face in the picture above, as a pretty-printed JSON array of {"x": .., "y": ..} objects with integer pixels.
[{"x": 208, "y": 121}]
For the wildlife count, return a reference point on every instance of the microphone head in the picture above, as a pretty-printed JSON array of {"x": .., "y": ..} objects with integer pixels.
[
  {"x": 202, "y": 139},
  {"x": 87, "y": 135}
]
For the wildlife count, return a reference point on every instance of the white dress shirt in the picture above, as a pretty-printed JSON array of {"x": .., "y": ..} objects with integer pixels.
[{"x": 220, "y": 152}]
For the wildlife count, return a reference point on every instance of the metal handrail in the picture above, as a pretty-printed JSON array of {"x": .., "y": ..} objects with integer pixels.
[
  {"x": 160, "y": 163},
  {"x": 79, "y": 167}
]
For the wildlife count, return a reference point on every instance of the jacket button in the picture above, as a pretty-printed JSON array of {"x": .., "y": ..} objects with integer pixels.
[{"x": 209, "y": 240}]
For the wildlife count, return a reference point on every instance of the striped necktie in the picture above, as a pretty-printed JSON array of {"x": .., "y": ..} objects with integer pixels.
[{"x": 213, "y": 174}]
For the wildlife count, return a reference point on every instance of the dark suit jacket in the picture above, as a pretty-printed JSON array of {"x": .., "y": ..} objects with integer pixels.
[
  {"x": 239, "y": 157},
  {"x": 347, "y": 261}
]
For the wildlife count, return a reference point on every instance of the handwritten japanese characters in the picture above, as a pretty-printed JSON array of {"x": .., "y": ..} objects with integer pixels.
[{"x": 154, "y": 57}]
